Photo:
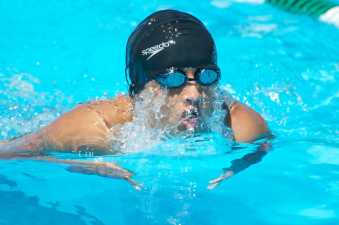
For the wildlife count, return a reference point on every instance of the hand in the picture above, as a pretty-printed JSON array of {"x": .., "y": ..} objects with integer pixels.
[
  {"x": 104, "y": 169},
  {"x": 215, "y": 182}
]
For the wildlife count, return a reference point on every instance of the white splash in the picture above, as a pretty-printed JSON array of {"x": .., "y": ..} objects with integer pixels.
[
  {"x": 251, "y": 1},
  {"x": 324, "y": 155},
  {"x": 257, "y": 29},
  {"x": 22, "y": 85},
  {"x": 274, "y": 96},
  {"x": 220, "y": 3},
  {"x": 147, "y": 129},
  {"x": 331, "y": 16},
  {"x": 24, "y": 108},
  {"x": 319, "y": 212}
]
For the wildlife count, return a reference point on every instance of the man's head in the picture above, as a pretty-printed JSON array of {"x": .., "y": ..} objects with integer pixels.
[{"x": 173, "y": 50}]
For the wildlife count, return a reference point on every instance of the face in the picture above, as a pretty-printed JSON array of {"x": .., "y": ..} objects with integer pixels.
[{"x": 186, "y": 107}]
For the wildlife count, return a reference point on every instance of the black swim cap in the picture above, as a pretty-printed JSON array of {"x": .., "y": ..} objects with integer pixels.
[{"x": 167, "y": 38}]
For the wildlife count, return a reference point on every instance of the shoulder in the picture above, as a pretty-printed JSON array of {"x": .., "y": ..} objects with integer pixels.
[
  {"x": 247, "y": 124},
  {"x": 113, "y": 111},
  {"x": 120, "y": 102},
  {"x": 88, "y": 124},
  {"x": 116, "y": 111}
]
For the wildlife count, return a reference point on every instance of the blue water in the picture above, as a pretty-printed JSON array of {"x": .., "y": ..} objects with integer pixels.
[{"x": 55, "y": 54}]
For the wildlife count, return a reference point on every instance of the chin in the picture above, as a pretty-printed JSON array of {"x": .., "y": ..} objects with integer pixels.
[
  {"x": 190, "y": 125},
  {"x": 181, "y": 122}
]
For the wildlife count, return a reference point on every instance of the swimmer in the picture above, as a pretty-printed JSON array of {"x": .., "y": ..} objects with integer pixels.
[{"x": 169, "y": 52}]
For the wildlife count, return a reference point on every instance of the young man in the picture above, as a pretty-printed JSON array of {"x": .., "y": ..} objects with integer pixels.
[{"x": 170, "y": 54}]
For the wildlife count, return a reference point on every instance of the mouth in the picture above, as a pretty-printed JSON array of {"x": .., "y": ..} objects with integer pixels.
[
  {"x": 190, "y": 120},
  {"x": 190, "y": 123}
]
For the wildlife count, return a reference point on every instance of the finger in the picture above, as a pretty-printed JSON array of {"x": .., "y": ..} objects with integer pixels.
[
  {"x": 135, "y": 184},
  {"x": 217, "y": 180},
  {"x": 212, "y": 185}
]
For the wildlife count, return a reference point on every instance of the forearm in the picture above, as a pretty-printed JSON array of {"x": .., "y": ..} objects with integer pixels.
[
  {"x": 25, "y": 146},
  {"x": 241, "y": 164},
  {"x": 249, "y": 159},
  {"x": 104, "y": 169}
]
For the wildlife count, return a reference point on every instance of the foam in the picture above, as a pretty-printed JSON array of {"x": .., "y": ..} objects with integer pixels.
[
  {"x": 147, "y": 129},
  {"x": 331, "y": 16},
  {"x": 324, "y": 155},
  {"x": 318, "y": 213},
  {"x": 222, "y": 4}
]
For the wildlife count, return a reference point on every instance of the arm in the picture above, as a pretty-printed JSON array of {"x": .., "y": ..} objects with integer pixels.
[
  {"x": 241, "y": 164},
  {"x": 86, "y": 126},
  {"x": 25, "y": 146},
  {"x": 247, "y": 126},
  {"x": 104, "y": 169}
]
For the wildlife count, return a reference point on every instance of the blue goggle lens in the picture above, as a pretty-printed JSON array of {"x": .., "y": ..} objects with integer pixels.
[
  {"x": 207, "y": 76},
  {"x": 171, "y": 80},
  {"x": 177, "y": 79}
]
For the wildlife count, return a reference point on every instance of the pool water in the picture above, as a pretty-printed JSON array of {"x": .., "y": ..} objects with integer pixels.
[{"x": 56, "y": 54}]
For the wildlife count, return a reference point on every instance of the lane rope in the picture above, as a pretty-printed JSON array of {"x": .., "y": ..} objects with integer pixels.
[{"x": 325, "y": 10}]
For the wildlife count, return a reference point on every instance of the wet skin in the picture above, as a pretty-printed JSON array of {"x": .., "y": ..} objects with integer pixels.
[{"x": 89, "y": 126}]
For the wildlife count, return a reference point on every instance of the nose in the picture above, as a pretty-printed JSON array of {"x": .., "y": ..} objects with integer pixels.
[
  {"x": 191, "y": 95},
  {"x": 191, "y": 92}
]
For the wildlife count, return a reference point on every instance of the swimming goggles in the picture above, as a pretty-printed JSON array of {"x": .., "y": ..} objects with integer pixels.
[{"x": 174, "y": 77}]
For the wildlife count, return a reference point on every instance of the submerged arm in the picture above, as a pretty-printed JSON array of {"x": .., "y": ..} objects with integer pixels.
[
  {"x": 26, "y": 148},
  {"x": 29, "y": 147},
  {"x": 241, "y": 164},
  {"x": 104, "y": 169}
]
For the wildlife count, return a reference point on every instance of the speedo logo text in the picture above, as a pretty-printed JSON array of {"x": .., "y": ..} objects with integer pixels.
[{"x": 152, "y": 51}]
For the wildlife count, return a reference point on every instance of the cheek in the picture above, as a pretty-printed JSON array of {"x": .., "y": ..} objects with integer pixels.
[{"x": 174, "y": 106}]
